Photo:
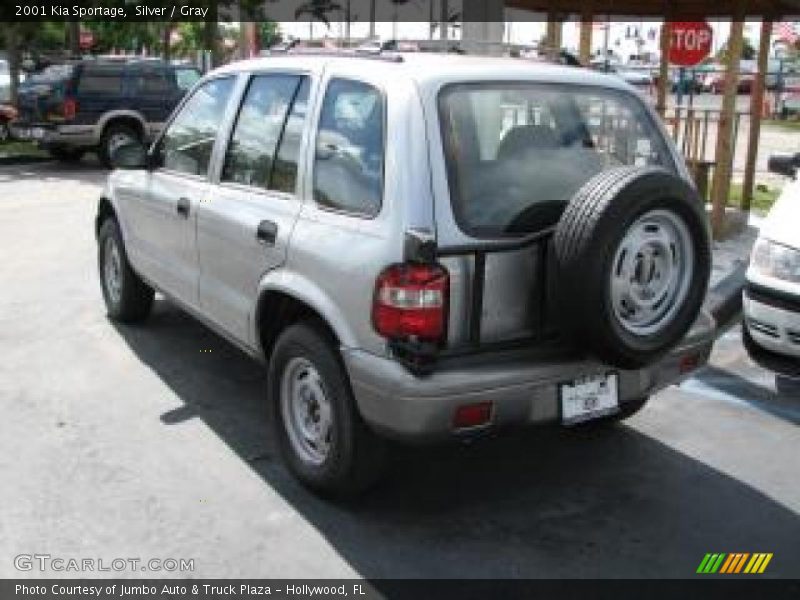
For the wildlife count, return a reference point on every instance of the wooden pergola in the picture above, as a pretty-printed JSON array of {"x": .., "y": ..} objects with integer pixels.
[{"x": 684, "y": 10}]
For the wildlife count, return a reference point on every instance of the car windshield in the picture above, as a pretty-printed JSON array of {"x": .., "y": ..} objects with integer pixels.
[{"x": 517, "y": 152}]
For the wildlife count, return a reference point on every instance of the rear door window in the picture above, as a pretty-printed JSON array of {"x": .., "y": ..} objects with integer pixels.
[
  {"x": 348, "y": 162},
  {"x": 152, "y": 81},
  {"x": 517, "y": 153},
  {"x": 250, "y": 158},
  {"x": 100, "y": 79}
]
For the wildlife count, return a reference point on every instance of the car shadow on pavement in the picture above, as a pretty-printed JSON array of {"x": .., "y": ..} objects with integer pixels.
[
  {"x": 540, "y": 503},
  {"x": 87, "y": 170}
]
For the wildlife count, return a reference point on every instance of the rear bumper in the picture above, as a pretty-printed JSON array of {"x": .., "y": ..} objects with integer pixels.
[
  {"x": 523, "y": 387},
  {"x": 49, "y": 135}
]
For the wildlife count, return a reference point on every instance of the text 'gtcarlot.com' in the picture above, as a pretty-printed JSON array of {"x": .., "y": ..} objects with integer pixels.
[{"x": 47, "y": 562}]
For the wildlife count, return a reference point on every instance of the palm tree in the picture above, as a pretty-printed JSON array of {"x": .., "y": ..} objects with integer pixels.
[{"x": 317, "y": 10}]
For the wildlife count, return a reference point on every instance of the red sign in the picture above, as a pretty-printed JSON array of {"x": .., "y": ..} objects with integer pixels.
[
  {"x": 86, "y": 40},
  {"x": 690, "y": 43}
]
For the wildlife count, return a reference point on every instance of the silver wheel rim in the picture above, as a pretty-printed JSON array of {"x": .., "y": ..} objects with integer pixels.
[
  {"x": 651, "y": 273},
  {"x": 117, "y": 140},
  {"x": 112, "y": 270},
  {"x": 306, "y": 411}
]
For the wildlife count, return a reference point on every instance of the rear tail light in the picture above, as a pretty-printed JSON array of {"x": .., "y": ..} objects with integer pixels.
[
  {"x": 472, "y": 415},
  {"x": 411, "y": 302},
  {"x": 69, "y": 108}
]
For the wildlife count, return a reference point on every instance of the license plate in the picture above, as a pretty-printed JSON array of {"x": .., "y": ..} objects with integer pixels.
[{"x": 589, "y": 398}]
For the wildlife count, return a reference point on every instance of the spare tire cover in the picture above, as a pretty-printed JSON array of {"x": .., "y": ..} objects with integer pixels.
[{"x": 633, "y": 260}]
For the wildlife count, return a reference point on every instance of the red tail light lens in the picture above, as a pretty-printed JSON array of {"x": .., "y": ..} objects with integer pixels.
[
  {"x": 411, "y": 301},
  {"x": 70, "y": 108}
]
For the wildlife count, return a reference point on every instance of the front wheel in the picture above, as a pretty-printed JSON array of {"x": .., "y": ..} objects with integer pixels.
[
  {"x": 321, "y": 435},
  {"x": 127, "y": 297}
]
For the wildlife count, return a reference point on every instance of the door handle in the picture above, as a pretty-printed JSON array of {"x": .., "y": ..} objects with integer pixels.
[
  {"x": 183, "y": 207},
  {"x": 267, "y": 233}
]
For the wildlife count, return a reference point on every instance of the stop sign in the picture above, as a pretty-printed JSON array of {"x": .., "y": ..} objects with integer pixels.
[{"x": 690, "y": 43}]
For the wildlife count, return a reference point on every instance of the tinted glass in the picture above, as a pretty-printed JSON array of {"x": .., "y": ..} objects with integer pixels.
[
  {"x": 348, "y": 164},
  {"x": 187, "y": 144},
  {"x": 517, "y": 153},
  {"x": 258, "y": 129},
  {"x": 152, "y": 81},
  {"x": 100, "y": 79},
  {"x": 284, "y": 170}
]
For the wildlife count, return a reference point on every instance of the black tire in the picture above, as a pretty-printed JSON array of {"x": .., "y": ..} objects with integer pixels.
[
  {"x": 135, "y": 298},
  {"x": 356, "y": 455},
  {"x": 586, "y": 240},
  {"x": 107, "y": 141},
  {"x": 69, "y": 155}
]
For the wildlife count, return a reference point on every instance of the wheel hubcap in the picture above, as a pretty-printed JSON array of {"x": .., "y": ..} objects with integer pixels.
[
  {"x": 306, "y": 411},
  {"x": 112, "y": 270},
  {"x": 117, "y": 140},
  {"x": 651, "y": 272}
]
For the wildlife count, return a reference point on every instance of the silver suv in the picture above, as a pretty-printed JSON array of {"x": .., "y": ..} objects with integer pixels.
[{"x": 418, "y": 246}]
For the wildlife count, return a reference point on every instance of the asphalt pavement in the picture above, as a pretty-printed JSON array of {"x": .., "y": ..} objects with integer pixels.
[{"x": 151, "y": 442}]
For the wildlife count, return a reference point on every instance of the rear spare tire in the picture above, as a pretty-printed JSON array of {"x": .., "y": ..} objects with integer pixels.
[{"x": 633, "y": 258}]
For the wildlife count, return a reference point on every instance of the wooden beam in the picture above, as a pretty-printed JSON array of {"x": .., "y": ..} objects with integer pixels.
[
  {"x": 585, "y": 52},
  {"x": 663, "y": 70},
  {"x": 756, "y": 104},
  {"x": 720, "y": 185}
]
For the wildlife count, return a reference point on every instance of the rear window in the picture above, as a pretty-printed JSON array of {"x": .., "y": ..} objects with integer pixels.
[
  {"x": 97, "y": 79},
  {"x": 51, "y": 73},
  {"x": 516, "y": 153}
]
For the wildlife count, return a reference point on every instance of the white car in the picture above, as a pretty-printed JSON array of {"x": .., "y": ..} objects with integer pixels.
[{"x": 772, "y": 294}]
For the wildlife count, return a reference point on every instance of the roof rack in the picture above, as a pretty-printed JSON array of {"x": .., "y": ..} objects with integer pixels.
[{"x": 338, "y": 53}]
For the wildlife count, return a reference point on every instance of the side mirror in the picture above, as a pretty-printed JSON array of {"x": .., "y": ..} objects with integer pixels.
[
  {"x": 129, "y": 155},
  {"x": 784, "y": 164}
]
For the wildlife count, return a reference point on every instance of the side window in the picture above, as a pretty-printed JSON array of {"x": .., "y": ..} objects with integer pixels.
[
  {"x": 348, "y": 162},
  {"x": 187, "y": 144},
  {"x": 284, "y": 171},
  {"x": 100, "y": 79},
  {"x": 152, "y": 81},
  {"x": 186, "y": 78},
  {"x": 251, "y": 151}
]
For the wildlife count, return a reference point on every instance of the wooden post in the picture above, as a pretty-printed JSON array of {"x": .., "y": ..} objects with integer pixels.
[
  {"x": 663, "y": 70},
  {"x": 585, "y": 52},
  {"x": 720, "y": 185},
  {"x": 756, "y": 102}
]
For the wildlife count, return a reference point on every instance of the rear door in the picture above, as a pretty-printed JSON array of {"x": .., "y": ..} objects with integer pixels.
[
  {"x": 244, "y": 227},
  {"x": 162, "y": 209},
  {"x": 155, "y": 93}
]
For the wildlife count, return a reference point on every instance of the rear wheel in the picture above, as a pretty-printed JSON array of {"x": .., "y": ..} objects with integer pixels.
[
  {"x": 321, "y": 435},
  {"x": 114, "y": 135},
  {"x": 127, "y": 297}
]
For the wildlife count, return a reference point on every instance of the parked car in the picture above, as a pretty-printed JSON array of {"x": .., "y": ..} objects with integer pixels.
[
  {"x": 772, "y": 295},
  {"x": 93, "y": 105},
  {"x": 418, "y": 246},
  {"x": 790, "y": 98},
  {"x": 7, "y": 115}
]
